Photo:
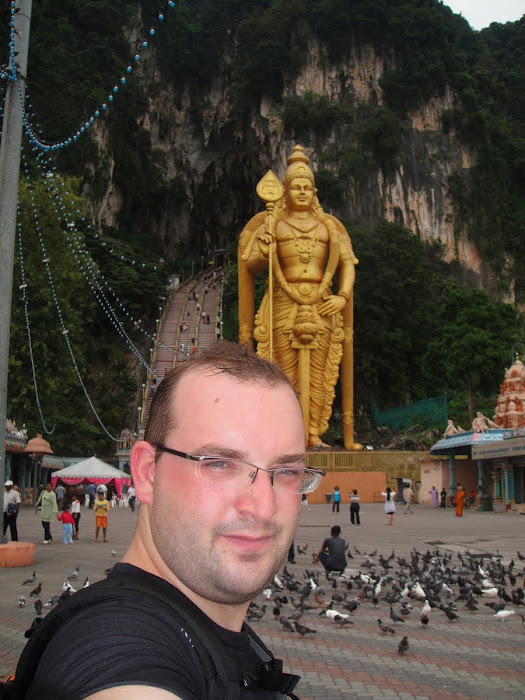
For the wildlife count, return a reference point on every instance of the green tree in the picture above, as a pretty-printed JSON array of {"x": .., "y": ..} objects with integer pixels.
[{"x": 472, "y": 347}]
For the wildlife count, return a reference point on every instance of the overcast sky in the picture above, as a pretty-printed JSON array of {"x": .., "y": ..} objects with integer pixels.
[{"x": 480, "y": 13}]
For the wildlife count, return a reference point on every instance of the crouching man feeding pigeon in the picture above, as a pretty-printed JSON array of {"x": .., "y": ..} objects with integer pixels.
[{"x": 219, "y": 475}]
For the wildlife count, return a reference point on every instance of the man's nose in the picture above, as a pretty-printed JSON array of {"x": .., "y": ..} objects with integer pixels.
[{"x": 259, "y": 497}]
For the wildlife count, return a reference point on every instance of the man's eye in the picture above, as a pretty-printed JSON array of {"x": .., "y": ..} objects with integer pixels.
[{"x": 218, "y": 465}]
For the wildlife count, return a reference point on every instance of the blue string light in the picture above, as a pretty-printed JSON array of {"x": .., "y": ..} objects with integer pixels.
[{"x": 31, "y": 130}]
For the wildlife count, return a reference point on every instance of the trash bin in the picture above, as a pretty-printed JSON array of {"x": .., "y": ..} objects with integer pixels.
[{"x": 328, "y": 497}]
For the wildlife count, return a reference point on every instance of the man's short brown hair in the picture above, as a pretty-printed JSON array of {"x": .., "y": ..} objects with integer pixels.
[{"x": 222, "y": 357}]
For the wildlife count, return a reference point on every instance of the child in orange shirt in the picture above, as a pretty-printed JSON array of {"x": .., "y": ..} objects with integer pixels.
[{"x": 101, "y": 509}]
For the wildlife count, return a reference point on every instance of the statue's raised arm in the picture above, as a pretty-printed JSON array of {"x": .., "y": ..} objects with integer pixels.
[{"x": 305, "y": 321}]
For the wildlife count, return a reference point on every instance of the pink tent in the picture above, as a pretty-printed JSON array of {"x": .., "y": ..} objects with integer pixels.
[{"x": 91, "y": 471}]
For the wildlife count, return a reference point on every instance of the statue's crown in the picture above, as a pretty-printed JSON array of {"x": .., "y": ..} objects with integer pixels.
[{"x": 298, "y": 167}]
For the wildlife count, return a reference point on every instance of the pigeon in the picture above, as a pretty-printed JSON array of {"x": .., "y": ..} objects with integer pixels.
[
  {"x": 52, "y": 601},
  {"x": 38, "y": 607},
  {"x": 256, "y": 615},
  {"x": 66, "y": 586},
  {"x": 385, "y": 628},
  {"x": 74, "y": 575},
  {"x": 394, "y": 617},
  {"x": 426, "y": 608},
  {"x": 302, "y": 629},
  {"x": 22, "y": 601},
  {"x": 341, "y": 621},
  {"x": 86, "y": 583},
  {"x": 403, "y": 646},
  {"x": 31, "y": 579},
  {"x": 451, "y": 615},
  {"x": 113, "y": 553},
  {"x": 36, "y": 591},
  {"x": 285, "y": 624},
  {"x": 424, "y": 620},
  {"x": 504, "y": 614}
]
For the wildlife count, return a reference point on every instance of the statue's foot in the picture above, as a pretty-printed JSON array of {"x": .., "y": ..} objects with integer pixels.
[
  {"x": 315, "y": 441},
  {"x": 353, "y": 446}
]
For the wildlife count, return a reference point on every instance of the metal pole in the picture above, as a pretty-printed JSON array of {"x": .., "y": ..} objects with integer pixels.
[{"x": 9, "y": 173}]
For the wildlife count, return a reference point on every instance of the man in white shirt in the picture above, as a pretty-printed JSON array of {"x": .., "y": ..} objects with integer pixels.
[
  {"x": 12, "y": 502},
  {"x": 408, "y": 497}
]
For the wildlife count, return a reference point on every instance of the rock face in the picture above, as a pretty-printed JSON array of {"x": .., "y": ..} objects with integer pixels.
[{"x": 216, "y": 158}]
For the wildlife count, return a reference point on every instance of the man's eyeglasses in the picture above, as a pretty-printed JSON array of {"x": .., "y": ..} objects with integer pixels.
[{"x": 232, "y": 472}]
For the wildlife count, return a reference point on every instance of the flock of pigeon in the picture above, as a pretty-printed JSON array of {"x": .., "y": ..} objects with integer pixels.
[
  {"x": 420, "y": 586},
  {"x": 36, "y": 593}
]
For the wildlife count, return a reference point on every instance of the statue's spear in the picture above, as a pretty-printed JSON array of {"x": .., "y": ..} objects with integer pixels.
[{"x": 270, "y": 190}]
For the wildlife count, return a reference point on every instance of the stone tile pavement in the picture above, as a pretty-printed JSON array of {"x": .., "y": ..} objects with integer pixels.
[{"x": 477, "y": 657}]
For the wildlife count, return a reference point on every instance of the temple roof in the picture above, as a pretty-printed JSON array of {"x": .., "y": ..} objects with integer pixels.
[{"x": 461, "y": 443}]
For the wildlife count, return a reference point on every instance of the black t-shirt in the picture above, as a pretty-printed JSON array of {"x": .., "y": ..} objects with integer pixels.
[
  {"x": 132, "y": 641},
  {"x": 336, "y": 547}
]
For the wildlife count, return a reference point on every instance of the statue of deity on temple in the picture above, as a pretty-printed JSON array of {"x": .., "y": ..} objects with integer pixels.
[{"x": 305, "y": 320}]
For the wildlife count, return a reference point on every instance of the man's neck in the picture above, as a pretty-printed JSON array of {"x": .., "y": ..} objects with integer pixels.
[{"x": 142, "y": 553}]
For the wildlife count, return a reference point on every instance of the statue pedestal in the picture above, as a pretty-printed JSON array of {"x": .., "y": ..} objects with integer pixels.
[{"x": 17, "y": 554}]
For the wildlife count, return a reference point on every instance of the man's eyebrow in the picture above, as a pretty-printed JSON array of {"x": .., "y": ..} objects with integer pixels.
[{"x": 212, "y": 450}]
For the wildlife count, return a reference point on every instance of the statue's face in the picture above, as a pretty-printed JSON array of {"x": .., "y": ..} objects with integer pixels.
[{"x": 300, "y": 195}]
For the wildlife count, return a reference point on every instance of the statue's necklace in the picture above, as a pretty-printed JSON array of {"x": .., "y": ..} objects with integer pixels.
[{"x": 304, "y": 243}]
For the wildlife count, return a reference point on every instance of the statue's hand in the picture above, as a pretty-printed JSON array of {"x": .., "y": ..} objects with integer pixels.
[
  {"x": 332, "y": 305},
  {"x": 264, "y": 239}
]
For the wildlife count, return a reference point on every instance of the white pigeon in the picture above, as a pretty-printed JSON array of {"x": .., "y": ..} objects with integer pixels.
[
  {"x": 426, "y": 609},
  {"x": 490, "y": 592},
  {"x": 86, "y": 583},
  {"x": 503, "y": 614},
  {"x": 419, "y": 591},
  {"x": 404, "y": 593},
  {"x": 277, "y": 582},
  {"x": 22, "y": 601},
  {"x": 67, "y": 586},
  {"x": 331, "y": 614},
  {"x": 267, "y": 593}
]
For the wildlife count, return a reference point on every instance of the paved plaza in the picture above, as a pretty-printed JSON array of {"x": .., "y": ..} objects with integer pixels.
[{"x": 478, "y": 656}]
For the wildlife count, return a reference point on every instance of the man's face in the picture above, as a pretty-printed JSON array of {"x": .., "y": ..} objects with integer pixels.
[
  {"x": 300, "y": 195},
  {"x": 49, "y": 487},
  {"x": 225, "y": 543}
]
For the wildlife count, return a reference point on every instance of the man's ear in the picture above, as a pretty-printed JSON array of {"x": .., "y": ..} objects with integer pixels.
[{"x": 142, "y": 463}]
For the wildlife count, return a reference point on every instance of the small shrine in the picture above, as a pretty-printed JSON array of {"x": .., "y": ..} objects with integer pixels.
[{"x": 510, "y": 406}]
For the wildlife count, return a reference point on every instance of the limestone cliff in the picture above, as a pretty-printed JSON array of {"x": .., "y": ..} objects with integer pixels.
[{"x": 216, "y": 158}]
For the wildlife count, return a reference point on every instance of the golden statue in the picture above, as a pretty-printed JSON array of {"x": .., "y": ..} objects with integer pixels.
[{"x": 301, "y": 324}]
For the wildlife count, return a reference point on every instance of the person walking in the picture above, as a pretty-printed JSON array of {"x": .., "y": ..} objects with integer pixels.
[
  {"x": 390, "y": 505},
  {"x": 443, "y": 498},
  {"x": 12, "y": 502},
  {"x": 336, "y": 499},
  {"x": 101, "y": 509},
  {"x": 60, "y": 492},
  {"x": 408, "y": 497},
  {"x": 75, "y": 512},
  {"x": 49, "y": 508},
  {"x": 434, "y": 496},
  {"x": 91, "y": 491},
  {"x": 332, "y": 554},
  {"x": 67, "y": 520},
  {"x": 354, "y": 508},
  {"x": 132, "y": 497}
]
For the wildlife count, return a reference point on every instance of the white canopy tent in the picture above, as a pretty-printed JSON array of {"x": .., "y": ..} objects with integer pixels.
[{"x": 91, "y": 471}]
